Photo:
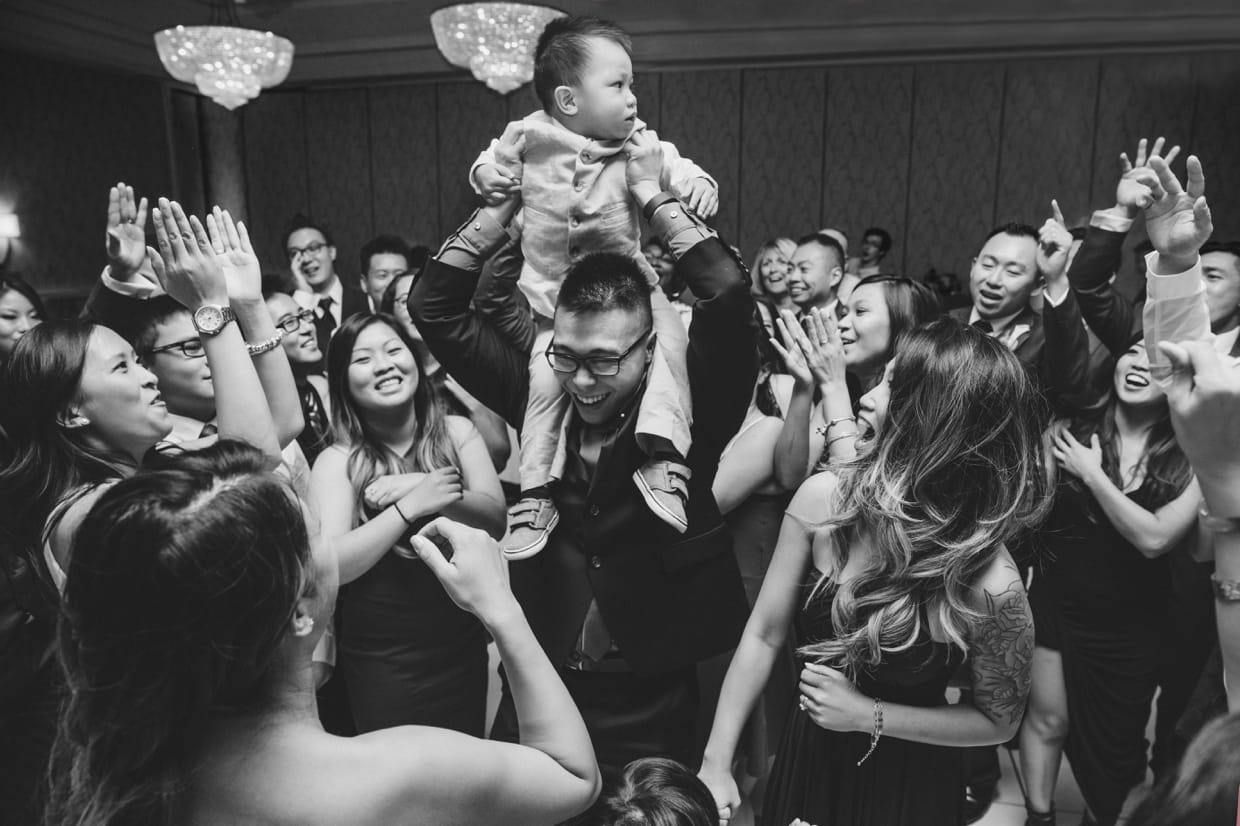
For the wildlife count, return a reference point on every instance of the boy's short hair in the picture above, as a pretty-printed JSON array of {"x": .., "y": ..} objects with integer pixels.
[
  {"x": 300, "y": 221},
  {"x": 152, "y": 313},
  {"x": 824, "y": 240},
  {"x": 605, "y": 281},
  {"x": 563, "y": 50},
  {"x": 884, "y": 237},
  {"x": 384, "y": 244}
]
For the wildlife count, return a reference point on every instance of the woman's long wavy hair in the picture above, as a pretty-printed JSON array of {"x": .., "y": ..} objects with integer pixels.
[
  {"x": 1166, "y": 468},
  {"x": 41, "y": 460},
  {"x": 956, "y": 471},
  {"x": 368, "y": 457},
  {"x": 181, "y": 589}
]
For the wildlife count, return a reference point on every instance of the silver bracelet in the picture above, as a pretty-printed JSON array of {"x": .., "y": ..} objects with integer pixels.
[
  {"x": 1225, "y": 590},
  {"x": 265, "y": 345}
]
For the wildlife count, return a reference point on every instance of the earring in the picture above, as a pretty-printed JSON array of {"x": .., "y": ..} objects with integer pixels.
[{"x": 75, "y": 422}]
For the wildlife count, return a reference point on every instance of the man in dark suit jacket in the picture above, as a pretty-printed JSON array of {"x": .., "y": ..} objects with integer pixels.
[
  {"x": 312, "y": 258},
  {"x": 624, "y": 605}
]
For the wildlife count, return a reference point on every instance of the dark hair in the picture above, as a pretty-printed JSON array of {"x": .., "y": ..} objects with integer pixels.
[
  {"x": 604, "y": 281},
  {"x": 368, "y": 458},
  {"x": 276, "y": 284},
  {"x": 418, "y": 256},
  {"x": 563, "y": 49},
  {"x": 147, "y": 317},
  {"x": 1013, "y": 228},
  {"x": 300, "y": 221},
  {"x": 909, "y": 305},
  {"x": 1231, "y": 247},
  {"x": 384, "y": 244},
  {"x": 180, "y": 589},
  {"x": 43, "y": 461},
  {"x": 884, "y": 242},
  {"x": 822, "y": 239},
  {"x": 1078, "y": 233},
  {"x": 387, "y": 304},
  {"x": 956, "y": 471},
  {"x": 1202, "y": 788},
  {"x": 15, "y": 283},
  {"x": 653, "y": 791}
]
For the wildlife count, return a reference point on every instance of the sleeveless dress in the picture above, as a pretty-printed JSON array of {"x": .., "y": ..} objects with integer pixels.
[
  {"x": 409, "y": 655},
  {"x": 816, "y": 777},
  {"x": 1104, "y": 607}
]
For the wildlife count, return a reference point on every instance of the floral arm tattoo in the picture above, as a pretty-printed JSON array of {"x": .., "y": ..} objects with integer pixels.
[{"x": 1002, "y": 652}]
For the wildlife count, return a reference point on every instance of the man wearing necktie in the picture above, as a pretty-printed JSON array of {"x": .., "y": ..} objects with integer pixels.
[{"x": 312, "y": 258}]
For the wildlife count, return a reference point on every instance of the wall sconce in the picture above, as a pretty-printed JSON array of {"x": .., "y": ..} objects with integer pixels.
[{"x": 9, "y": 228}]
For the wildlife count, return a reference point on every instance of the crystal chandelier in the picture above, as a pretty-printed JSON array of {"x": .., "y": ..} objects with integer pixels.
[
  {"x": 227, "y": 63},
  {"x": 495, "y": 41}
]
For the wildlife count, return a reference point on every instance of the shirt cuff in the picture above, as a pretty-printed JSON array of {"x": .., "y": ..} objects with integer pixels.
[
  {"x": 1113, "y": 219},
  {"x": 1172, "y": 285},
  {"x": 142, "y": 289},
  {"x": 1055, "y": 302},
  {"x": 473, "y": 243},
  {"x": 679, "y": 228}
]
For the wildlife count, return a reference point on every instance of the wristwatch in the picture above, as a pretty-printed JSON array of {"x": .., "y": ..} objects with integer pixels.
[{"x": 210, "y": 319}]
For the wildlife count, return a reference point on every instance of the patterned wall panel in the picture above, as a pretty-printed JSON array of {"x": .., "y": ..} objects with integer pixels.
[
  {"x": 521, "y": 102},
  {"x": 70, "y": 134},
  {"x": 338, "y": 169},
  {"x": 701, "y": 114},
  {"x": 648, "y": 86},
  {"x": 188, "y": 150},
  {"x": 469, "y": 116},
  {"x": 868, "y": 142},
  {"x": 276, "y": 171},
  {"x": 404, "y": 160},
  {"x": 1047, "y": 142},
  {"x": 1216, "y": 138},
  {"x": 1139, "y": 97},
  {"x": 956, "y": 113},
  {"x": 781, "y": 154}
]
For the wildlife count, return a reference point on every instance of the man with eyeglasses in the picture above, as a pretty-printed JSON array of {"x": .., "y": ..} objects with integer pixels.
[
  {"x": 312, "y": 258},
  {"x": 624, "y": 604}
]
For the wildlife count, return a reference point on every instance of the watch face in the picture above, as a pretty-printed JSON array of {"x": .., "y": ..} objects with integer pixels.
[{"x": 209, "y": 319}]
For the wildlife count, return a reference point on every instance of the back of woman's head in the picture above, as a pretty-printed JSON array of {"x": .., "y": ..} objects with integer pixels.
[
  {"x": 654, "y": 791},
  {"x": 1202, "y": 790},
  {"x": 956, "y": 471},
  {"x": 181, "y": 587},
  {"x": 41, "y": 459},
  {"x": 432, "y": 447}
]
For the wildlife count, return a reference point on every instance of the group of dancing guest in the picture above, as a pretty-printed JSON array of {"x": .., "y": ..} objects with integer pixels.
[{"x": 849, "y": 524}]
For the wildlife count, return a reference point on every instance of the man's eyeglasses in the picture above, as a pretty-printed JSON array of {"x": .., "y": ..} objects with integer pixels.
[
  {"x": 291, "y": 324},
  {"x": 562, "y": 362},
  {"x": 313, "y": 248},
  {"x": 190, "y": 348}
]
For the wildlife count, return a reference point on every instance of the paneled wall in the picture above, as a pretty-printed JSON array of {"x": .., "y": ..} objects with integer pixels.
[
  {"x": 937, "y": 153},
  {"x": 69, "y": 133}
]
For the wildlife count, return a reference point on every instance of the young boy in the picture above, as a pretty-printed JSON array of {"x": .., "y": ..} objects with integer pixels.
[{"x": 567, "y": 162}]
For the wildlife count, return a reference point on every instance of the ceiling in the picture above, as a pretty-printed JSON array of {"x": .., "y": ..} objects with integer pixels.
[{"x": 348, "y": 40}]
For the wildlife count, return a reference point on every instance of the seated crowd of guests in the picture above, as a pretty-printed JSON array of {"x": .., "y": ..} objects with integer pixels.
[{"x": 256, "y": 541}]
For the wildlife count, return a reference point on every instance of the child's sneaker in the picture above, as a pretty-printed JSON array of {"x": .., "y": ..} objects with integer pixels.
[
  {"x": 664, "y": 485},
  {"x": 530, "y": 523}
]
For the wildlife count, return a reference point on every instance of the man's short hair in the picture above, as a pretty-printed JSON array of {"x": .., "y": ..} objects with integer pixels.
[
  {"x": 384, "y": 244},
  {"x": 1014, "y": 228},
  {"x": 605, "y": 281},
  {"x": 824, "y": 240},
  {"x": 563, "y": 50},
  {"x": 1232, "y": 247},
  {"x": 300, "y": 221},
  {"x": 149, "y": 315},
  {"x": 884, "y": 237}
]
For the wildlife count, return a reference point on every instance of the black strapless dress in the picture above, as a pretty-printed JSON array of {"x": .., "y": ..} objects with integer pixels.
[{"x": 816, "y": 777}]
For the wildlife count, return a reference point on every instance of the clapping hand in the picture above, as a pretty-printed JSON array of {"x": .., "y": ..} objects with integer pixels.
[
  {"x": 235, "y": 255},
  {"x": 186, "y": 264},
  {"x": 1178, "y": 219},
  {"x": 816, "y": 358},
  {"x": 126, "y": 232},
  {"x": 1139, "y": 183}
]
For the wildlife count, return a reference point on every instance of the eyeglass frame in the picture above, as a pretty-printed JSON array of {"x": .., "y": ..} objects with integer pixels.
[
  {"x": 178, "y": 345},
  {"x": 304, "y": 315},
  {"x": 313, "y": 248},
  {"x": 551, "y": 354}
]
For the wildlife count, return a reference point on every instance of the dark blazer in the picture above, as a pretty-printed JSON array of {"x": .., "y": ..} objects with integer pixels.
[
  {"x": 668, "y": 600},
  {"x": 1029, "y": 348}
]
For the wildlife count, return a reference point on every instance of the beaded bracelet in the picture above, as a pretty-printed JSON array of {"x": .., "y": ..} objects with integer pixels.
[
  {"x": 878, "y": 730},
  {"x": 822, "y": 431},
  {"x": 266, "y": 345},
  {"x": 1225, "y": 590}
]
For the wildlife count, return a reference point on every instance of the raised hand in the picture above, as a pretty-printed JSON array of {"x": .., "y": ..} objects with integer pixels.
[
  {"x": 235, "y": 255},
  {"x": 189, "y": 271},
  {"x": 501, "y": 180},
  {"x": 126, "y": 232},
  {"x": 1178, "y": 219},
  {"x": 1204, "y": 397},
  {"x": 812, "y": 359},
  {"x": 1054, "y": 242},
  {"x": 1138, "y": 185}
]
